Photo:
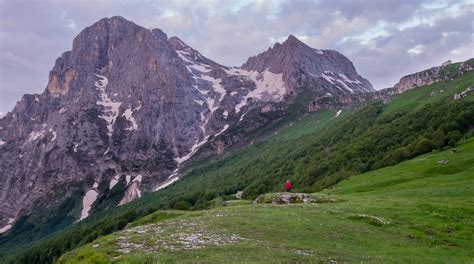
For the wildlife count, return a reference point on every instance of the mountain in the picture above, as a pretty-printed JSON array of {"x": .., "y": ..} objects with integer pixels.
[
  {"x": 303, "y": 66},
  {"x": 128, "y": 108}
]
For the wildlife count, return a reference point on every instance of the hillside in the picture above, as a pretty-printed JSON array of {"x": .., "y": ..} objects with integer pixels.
[
  {"x": 417, "y": 211},
  {"x": 319, "y": 150}
]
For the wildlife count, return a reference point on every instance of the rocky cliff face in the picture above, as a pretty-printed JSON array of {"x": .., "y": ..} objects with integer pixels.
[
  {"x": 444, "y": 72},
  {"x": 418, "y": 79},
  {"x": 129, "y": 105}
]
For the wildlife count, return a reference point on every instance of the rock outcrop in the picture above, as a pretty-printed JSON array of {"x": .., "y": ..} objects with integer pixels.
[
  {"x": 293, "y": 198},
  {"x": 445, "y": 72}
]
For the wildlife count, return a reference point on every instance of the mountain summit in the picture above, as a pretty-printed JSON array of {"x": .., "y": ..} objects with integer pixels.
[
  {"x": 128, "y": 107},
  {"x": 324, "y": 71}
]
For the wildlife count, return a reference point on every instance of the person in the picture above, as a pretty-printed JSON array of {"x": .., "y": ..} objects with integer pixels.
[{"x": 288, "y": 186}]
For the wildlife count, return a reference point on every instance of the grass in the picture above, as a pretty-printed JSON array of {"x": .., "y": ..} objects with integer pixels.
[
  {"x": 417, "y": 211},
  {"x": 415, "y": 99},
  {"x": 308, "y": 124}
]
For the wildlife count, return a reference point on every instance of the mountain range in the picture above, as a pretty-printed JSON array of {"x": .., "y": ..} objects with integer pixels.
[
  {"x": 130, "y": 104},
  {"x": 129, "y": 113}
]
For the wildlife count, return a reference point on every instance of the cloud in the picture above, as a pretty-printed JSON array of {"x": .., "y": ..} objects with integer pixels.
[
  {"x": 384, "y": 39},
  {"x": 417, "y": 50}
]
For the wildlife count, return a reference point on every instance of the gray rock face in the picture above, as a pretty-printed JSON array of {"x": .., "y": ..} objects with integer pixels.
[
  {"x": 129, "y": 105},
  {"x": 411, "y": 81},
  {"x": 433, "y": 75},
  {"x": 325, "y": 71}
]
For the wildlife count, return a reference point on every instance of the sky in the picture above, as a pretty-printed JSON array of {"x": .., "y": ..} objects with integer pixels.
[{"x": 385, "y": 39}]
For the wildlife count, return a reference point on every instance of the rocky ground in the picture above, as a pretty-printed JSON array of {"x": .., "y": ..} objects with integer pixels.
[{"x": 171, "y": 235}]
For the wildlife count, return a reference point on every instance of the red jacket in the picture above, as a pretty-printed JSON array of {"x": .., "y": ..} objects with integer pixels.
[{"x": 288, "y": 185}]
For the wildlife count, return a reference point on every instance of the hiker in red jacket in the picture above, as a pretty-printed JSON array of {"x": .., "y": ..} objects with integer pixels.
[{"x": 288, "y": 186}]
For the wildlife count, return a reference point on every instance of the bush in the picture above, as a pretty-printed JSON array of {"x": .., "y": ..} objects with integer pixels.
[
  {"x": 423, "y": 145},
  {"x": 182, "y": 205},
  {"x": 454, "y": 137}
]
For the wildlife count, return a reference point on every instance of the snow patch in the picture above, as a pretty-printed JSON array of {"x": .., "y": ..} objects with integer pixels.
[
  {"x": 172, "y": 178},
  {"x": 62, "y": 110},
  {"x": 128, "y": 114},
  {"x": 34, "y": 135},
  {"x": 192, "y": 151},
  {"x": 138, "y": 178},
  {"x": 268, "y": 83},
  {"x": 242, "y": 116},
  {"x": 127, "y": 179},
  {"x": 344, "y": 85},
  {"x": 222, "y": 131},
  {"x": 114, "y": 181},
  {"x": 96, "y": 184},
  {"x": 328, "y": 78},
  {"x": 2, "y": 142},
  {"x": 192, "y": 65},
  {"x": 346, "y": 79},
  {"x": 5, "y": 228},
  {"x": 338, "y": 113},
  {"x": 166, "y": 183},
  {"x": 225, "y": 114},
  {"x": 211, "y": 104},
  {"x": 111, "y": 107},
  {"x": 217, "y": 87},
  {"x": 270, "y": 86},
  {"x": 87, "y": 202},
  {"x": 233, "y": 93},
  {"x": 54, "y": 134},
  {"x": 318, "y": 51},
  {"x": 8, "y": 226},
  {"x": 240, "y": 105}
]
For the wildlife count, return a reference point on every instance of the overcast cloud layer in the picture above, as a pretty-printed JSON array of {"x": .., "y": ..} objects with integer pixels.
[{"x": 385, "y": 39}]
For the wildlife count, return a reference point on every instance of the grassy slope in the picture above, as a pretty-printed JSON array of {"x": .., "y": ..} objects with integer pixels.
[
  {"x": 430, "y": 208},
  {"x": 415, "y": 99}
]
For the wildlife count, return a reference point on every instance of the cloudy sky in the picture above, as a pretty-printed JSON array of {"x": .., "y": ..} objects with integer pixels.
[{"x": 385, "y": 39}]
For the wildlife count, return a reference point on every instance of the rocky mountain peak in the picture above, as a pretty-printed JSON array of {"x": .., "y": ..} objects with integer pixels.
[
  {"x": 191, "y": 55},
  {"x": 304, "y": 67},
  {"x": 293, "y": 42}
]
